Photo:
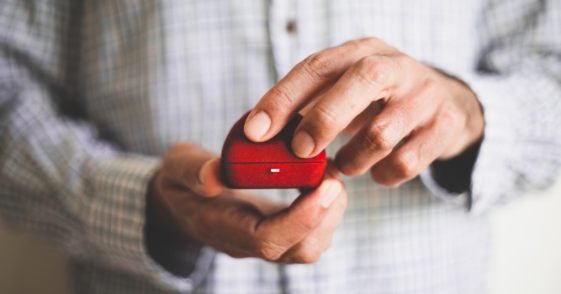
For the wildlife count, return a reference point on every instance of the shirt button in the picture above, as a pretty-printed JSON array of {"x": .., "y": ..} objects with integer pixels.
[{"x": 291, "y": 27}]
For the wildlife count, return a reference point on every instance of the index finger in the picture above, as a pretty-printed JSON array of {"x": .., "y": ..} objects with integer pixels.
[
  {"x": 296, "y": 89},
  {"x": 368, "y": 80}
]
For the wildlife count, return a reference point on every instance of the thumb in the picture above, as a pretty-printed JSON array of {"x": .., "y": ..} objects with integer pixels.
[
  {"x": 193, "y": 167},
  {"x": 294, "y": 223}
]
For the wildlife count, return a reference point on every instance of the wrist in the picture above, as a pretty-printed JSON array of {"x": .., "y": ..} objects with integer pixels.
[
  {"x": 467, "y": 102},
  {"x": 165, "y": 243}
]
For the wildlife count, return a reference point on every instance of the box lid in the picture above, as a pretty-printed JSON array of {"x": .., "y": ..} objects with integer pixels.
[{"x": 239, "y": 149}]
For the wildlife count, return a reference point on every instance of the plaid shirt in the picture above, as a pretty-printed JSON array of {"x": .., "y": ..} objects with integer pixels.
[{"x": 92, "y": 93}]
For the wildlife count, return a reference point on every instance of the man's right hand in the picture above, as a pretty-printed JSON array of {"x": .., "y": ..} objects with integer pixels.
[{"x": 188, "y": 204}]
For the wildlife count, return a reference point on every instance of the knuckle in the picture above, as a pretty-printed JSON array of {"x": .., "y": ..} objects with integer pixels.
[
  {"x": 355, "y": 44},
  {"x": 319, "y": 65},
  {"x": 373, "y": 42},
  {"x": 430, "y": 87},
  {"x": 327, "y": 118},
  {"x": 379, "y": 138},
  {"x": 307, "y": 256},
  {"x": 287, "y": 97},
  {"x": 374, "y": 69},
  {"x": 450, "y": 116},
  {"x": 406, "y": 61},
  {"x": 269, "y": 251},
  {"x": 406, "y": 165}
]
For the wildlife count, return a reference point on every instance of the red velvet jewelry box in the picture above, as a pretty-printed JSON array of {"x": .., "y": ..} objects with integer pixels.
[{"x": 270, "y": 164}]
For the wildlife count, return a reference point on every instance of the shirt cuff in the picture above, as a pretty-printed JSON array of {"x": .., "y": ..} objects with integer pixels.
[
  {"x": 117, "y": 219},
  {"x": 436, "y": 189},
  {"x": 490, "y": 174}
]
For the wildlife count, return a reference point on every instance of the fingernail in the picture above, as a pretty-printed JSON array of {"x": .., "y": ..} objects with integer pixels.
[
  {"x": 331, "y": 190},
  {"x": 258, "y": 125},
  {"x": 303, "y": 144},
  {"x": 203, "y": 170}
]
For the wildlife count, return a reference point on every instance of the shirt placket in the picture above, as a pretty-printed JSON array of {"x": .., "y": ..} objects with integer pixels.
[{"x": 283, "y": 34}]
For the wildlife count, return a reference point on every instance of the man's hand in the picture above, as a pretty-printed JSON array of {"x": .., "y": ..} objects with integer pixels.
[
  {"x": 188, "y": 204},
  {"x": 382, "y": 97}
]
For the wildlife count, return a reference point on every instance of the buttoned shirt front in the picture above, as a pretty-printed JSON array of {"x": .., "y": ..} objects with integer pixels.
[{"x": 147, "y": 74}]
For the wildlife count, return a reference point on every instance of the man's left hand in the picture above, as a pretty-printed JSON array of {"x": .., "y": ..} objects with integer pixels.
[{"x": 382, "y": 97}]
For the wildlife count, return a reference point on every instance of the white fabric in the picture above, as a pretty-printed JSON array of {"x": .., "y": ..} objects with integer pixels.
[{"x": 147, "y": 74}]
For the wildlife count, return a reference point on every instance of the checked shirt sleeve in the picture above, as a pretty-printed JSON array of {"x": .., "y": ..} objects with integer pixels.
[
  {"x": 519, "y": 86},
  {"x": 58, "y": 180}
]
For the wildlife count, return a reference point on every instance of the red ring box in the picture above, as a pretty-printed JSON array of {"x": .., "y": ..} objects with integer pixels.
[{"x": 270, "y": 164}]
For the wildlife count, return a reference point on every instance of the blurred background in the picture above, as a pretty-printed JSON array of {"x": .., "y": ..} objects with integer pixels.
[{"x": 526, "y": 252}]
